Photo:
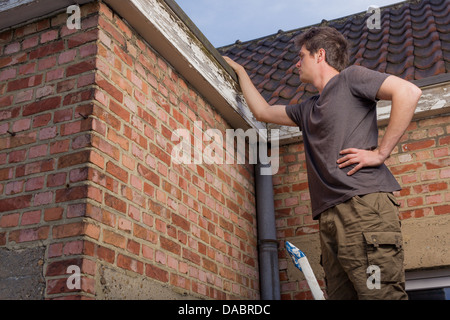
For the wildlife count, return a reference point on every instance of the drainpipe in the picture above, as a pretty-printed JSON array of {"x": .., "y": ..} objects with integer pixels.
[{"x": 267, "y": 240}]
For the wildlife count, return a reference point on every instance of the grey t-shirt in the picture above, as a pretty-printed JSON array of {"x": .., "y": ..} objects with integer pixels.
[{"x": 343, "y": 116}]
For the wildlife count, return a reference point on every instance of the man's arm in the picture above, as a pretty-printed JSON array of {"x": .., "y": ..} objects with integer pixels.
[
  {"x": 404, "y": 96},
  {"x": 258, "y": 105}
]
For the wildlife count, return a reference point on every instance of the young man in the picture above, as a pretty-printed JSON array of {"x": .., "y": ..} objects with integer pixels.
[{"x": 350, "y": 186}]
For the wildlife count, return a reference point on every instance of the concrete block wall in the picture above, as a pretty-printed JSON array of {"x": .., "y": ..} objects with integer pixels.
[{"x": 87, "y": 178}]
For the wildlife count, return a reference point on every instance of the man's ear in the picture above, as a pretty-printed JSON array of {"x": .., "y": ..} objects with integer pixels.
[{"x": 321, "y": 55}]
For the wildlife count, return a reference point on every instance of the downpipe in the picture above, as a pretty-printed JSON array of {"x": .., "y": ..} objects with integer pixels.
[{"x": 267, "y": 240}]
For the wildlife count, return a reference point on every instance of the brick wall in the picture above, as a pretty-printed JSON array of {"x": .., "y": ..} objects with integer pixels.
[
  {"x": 421, "y": 164},
  {"x": 86, "y": 121}
]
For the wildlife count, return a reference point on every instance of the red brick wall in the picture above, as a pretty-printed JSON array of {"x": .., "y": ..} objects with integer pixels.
[
  {"x": 86, "y": 121},
  {"x": 420, "y": 162},
  {"x": 46, "y": 87}
]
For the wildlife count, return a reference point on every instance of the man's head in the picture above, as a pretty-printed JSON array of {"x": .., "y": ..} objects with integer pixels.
[{"x": 334, "y": 43}]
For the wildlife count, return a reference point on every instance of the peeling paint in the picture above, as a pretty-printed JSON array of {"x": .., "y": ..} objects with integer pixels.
[{"x": 197, "y": 56}]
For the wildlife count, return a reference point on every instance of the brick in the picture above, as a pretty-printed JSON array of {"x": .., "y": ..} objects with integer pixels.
[
  {"x": 418, "y": 145},
  {"x": 396, "y": 170},
  {"x": 133, "y": 247},
  {"x": 82, "y": 38},
  {"x": 130, "y": 264},
  {"x": 114, "y": 239},
  {"x": 180, "y": 281},
  {"x": 43, "y": 198},
  {"x": 107, "y": 27},
  {"x": 15, "y": 157},
  {"x": 9, "y": 220},
  {"x": 36, "y": 183},
  {"x": 55, "y": 74},
  {"x": 49, "y": 36},
  {"x": 77, "y": 97},
  {"x": 123, "y": 56},
  {"x": 8, "y": 74},
  {"x": 14, "y": 187},
  {"x": 38, "y": 151},
  {"x": 45, "y": 64},
  {"x": 77, "y": 175},
  {"x": 191, "y": 256},
  {"x": 6, "y": 36},
  {"x": 59, "y": 146},
  {"x": 73, "y": 159},
  {"x": 23, "y": 139},
  {"x": 115, "y": 203},
  {"x": 27, "y": 235},
  {"x": 24, "y": 83},
  {"x": 120, "y": 111},
  {"x": 106, "y": 147},
  {"x": 80, "y": 68},
  {"x": 148, "y": 175},
  {"x": 156, "y": 273},
  {"x": 144, "y": 234},
  {"x": 68, "y": 230},
  {"x": 170, "y": 245},
  {"x": 6, "y": 101},
  {"x": 109, "y": 88},
  {"x": 47, "y": 50},
  {"x": 32, "y": 217},
  {"x": 59, "y": 268},
  {"x": 6, "y": 174},
  {"x": 58, "y": 286},
  {"x": 439, "y": 210},
  {"x": 15, "y": 203},
  {"x": 41, "y": 106},
  {"x": 106, "y": 254},
  {"x": 73, "y": 247},
  {"x": 55, "y": 250},
  {"x": 438, "y": 164},
  {"x": 444, "y": 141},
  {"x": 118, "y": 139},
  {"x": 53, "y": 214},
  {"x": 71, "y": 193},
  {"x": 13, "y": 60}
]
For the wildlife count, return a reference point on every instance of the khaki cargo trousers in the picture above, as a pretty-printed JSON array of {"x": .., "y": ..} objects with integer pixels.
[{"x": 362, "y": 250}]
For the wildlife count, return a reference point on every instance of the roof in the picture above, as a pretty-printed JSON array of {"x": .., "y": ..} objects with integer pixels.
[{"x": 413, "y": 43}]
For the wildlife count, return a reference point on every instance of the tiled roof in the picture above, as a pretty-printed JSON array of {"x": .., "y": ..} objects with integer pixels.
[{"x": 413, "y": 43}]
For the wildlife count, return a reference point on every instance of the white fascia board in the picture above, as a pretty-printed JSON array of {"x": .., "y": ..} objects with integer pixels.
[
  {"x": 168, "y": 34},
  {"x": 173, "y": 39},
  {"x": 16, "y": 12}
]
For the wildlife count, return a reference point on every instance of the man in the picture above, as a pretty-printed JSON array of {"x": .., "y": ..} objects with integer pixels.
[{"x": 350, "y": 186}]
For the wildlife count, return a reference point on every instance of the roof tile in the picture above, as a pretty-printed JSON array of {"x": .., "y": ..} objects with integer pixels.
[{"x": 413, "y": 43}]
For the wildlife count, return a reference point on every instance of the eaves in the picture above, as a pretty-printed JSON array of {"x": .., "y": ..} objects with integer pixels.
[{"x": 169, "y": 31}]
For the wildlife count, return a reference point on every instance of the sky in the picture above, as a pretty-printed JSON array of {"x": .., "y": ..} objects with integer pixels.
[{"x": 225, "y": 21}]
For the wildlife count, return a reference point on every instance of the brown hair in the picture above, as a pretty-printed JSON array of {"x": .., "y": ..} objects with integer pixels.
[{"x": 329, "y": 39}]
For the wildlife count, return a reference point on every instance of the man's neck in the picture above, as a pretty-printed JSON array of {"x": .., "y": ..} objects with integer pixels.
[{"x": 326, "y": 76}]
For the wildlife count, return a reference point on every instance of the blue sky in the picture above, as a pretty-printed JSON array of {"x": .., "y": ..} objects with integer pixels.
[{"x": 225, "y": 21}]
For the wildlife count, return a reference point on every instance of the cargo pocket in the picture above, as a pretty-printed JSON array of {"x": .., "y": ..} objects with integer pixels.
[
  {"x": 393, "y": 199},
  {"x": 385, "y": 251}
]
